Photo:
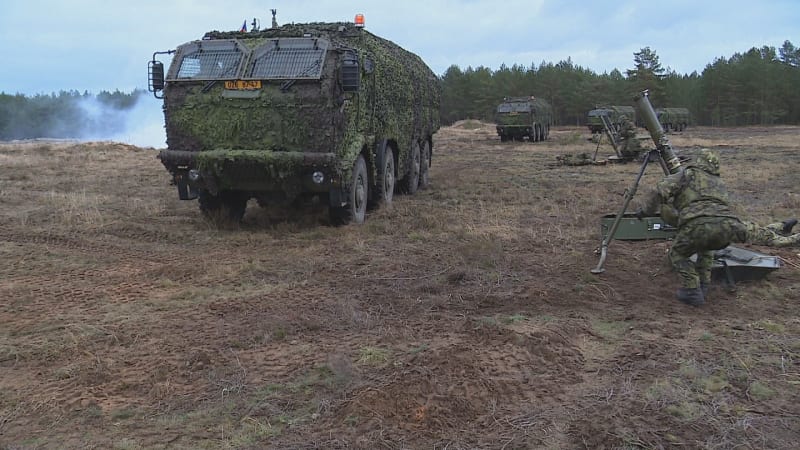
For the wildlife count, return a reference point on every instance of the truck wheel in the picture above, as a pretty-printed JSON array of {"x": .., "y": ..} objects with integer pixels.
[
  {"x": 503, "y": 138},
  {"x": 411, "y": 181},
  {"x": 386, "y": 179},
  {"x": 425, "y": 165},
  {"x": 356, "y": 209}
]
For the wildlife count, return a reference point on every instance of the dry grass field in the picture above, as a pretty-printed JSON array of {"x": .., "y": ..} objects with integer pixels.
[{"x": 465, "y": 316}]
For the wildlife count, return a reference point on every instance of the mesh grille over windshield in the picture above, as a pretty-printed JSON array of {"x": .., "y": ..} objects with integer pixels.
[
  {"x": 209, "y": 60},
  {"x": 289, "y": 58}
]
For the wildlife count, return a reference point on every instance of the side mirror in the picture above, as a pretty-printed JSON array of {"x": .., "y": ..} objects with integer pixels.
[
  {"x": 155, "y": 75},
  {"x": 351, "y": 72}
]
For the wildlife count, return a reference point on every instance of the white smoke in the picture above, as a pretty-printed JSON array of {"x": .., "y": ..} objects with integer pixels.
[{"x": 142, "y": 125}]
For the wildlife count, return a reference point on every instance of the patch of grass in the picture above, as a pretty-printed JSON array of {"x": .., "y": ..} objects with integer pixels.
[
  {"x": 127, "y": 444},
  {"x": 252, "y": 431},
  {"x": 706, "y": 336},
  {"x": 419, "y": 349},
  {"x": 573, "y": 138},
  {"x": 689, "y": 369},
  {"x": 714, "y": 383},
  {"x": 760, "y": 391},
  {"x": 514, "y": 319},
  {"x": 685, "y": 411},
  {"x": 279, "y": 334},
  {"x": 193, "y": 294},
  {"x": 488, "y": 322},
  {"x": 609, "y": 329},
  {"x": 373, "y": 356},
  {"x": 769, "y": 292},
  {"x": 470, "y": 125},
  {"x": 123, "y": 414},
  {"x": 770, "y": 326},
  {"x": 352, "y": 420}
]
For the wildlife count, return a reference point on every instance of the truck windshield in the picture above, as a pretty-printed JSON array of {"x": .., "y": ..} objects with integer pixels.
[
  {"x": 513, "y": 107},
  {"x": 207, "y": 60},
  {"x": 288, "y": 58}
]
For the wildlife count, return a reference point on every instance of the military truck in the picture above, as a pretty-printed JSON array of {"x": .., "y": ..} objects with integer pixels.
[
  {"x": 673, "y": 119},
  {"x": 520, "y": 117},
  {"x": 613, "y": 113},
  {"x": 322, "y": 112}
]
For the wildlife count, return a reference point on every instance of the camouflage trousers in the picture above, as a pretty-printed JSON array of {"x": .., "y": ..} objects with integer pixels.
[
  {"x": 770, "y": 235},
  {"x": 702, "y": 236}
]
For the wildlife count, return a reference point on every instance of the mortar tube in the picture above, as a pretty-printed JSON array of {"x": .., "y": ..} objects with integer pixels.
[{"x": 657, "y": 133}]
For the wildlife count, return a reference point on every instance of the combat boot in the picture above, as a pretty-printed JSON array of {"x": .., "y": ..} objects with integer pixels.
[
  {"x": 704, "y": 288},
  {"x": 691, "y": 296},
  {"x": 788, "y": 224}
]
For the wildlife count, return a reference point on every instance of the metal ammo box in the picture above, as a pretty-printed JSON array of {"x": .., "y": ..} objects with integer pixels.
[{"x": 632, "y": 228}]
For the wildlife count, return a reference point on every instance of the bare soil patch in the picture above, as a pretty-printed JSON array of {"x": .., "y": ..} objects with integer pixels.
[{"x": 462, "y": 317}]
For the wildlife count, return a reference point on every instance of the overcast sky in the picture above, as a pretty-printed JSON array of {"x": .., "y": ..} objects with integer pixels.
[{"x": 93, "y": 45}]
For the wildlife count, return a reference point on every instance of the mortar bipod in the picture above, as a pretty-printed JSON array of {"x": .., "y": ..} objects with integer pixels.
[
  {"x": 613, "y": 136},
  {"x": 611, "y": 132},
  {"x": 652, "y": 155}
]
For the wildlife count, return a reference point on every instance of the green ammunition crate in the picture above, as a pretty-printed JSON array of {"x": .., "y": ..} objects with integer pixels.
[{"x": 632, "y": 228}]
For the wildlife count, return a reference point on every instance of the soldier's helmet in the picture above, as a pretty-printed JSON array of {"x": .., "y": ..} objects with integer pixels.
[{"x": 708, "y": 161}]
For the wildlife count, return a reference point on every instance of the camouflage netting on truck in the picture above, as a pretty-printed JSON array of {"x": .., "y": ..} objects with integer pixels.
[{"x": 309, "y": 112}]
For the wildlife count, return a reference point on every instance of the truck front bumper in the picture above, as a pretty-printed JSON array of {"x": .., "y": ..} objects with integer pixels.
[{"x": 291, "y": 173}]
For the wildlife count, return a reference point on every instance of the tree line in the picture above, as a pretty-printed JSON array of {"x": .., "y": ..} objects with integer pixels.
[
  {"x": 757, "y": 87},
  {"x": 66, "y": 115}
]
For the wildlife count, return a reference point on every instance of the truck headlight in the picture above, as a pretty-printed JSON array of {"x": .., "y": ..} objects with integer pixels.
[
  {"x": 318, "y": 177},
  {"x": 194, "y": 175}
]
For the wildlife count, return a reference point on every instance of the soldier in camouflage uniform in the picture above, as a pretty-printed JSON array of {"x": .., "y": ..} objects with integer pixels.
[
  {"x": 778, "y": 234},
  {"x": 773, "y": 235},
  {"x": 630, "y": 146},
  {"x": 705, "y": 222}
]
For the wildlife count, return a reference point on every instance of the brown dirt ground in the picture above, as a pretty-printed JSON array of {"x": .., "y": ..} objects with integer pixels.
[{"x": 462, "y": 317}]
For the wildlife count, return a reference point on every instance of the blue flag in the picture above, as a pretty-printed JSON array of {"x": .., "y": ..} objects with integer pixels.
[{"x": 244, "y": 26}]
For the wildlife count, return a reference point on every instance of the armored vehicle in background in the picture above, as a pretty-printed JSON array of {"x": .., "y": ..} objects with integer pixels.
[
  {"x": 613, "y": 113},
  {"x": 319, "y": 111},
  {"x": 520, "y": 117},
  {"x": 673, "y": 119}
]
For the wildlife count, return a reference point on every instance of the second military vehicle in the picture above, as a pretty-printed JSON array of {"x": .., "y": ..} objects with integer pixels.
[
  {"x": 319, "y": 111},
  {"x": 520, "y": 117},
  {"x": 612, "y": 113},
  {"x": 673, "y": 119}
]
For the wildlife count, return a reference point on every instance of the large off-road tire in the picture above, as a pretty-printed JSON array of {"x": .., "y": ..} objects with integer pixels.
[
  {"x": 227, "y": 205},
  {"x": 356, "y": 209},
  {"x": 503, "y": 138},
  {"x": 386, "y": 178},
  {"x": 425, "y": 165},
  {"x": 411, "y": 180}
]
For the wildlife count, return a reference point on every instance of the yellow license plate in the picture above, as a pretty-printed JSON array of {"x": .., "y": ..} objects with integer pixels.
[{"x": 243, "y": 85}]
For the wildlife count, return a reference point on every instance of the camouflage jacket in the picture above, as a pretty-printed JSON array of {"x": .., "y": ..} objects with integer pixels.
[{"x": 693, "y": 192}]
